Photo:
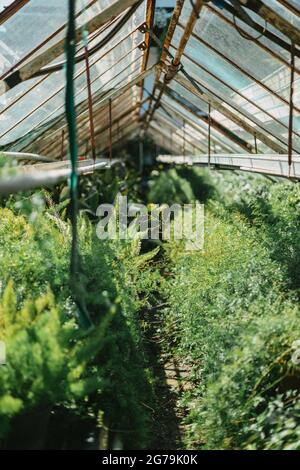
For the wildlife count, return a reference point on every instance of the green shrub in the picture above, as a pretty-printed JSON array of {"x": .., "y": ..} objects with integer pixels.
[
  {"x": 253, "y": 402},
  {"x": 108, "y": 374},
  {"x": 168, "y": 187},
  {"x": 230, "y": 319},
  {"x": 273, "y": 208},
  {"x": 47, "y": 361}
]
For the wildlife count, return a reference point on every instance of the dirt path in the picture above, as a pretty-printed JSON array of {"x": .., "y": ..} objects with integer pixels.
[{"x": 171, "y": 382}]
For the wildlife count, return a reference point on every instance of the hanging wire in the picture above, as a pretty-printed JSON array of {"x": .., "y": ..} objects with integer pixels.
[
  {"x": 70, "y": 48},
  {"x": 247, "y": 36}
]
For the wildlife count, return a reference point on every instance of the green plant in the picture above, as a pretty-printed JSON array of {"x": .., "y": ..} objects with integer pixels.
[
  {"x": 63, "y": 368},
  {"x": 233, "y": 321},
  {"x": 47, "y": 359}
]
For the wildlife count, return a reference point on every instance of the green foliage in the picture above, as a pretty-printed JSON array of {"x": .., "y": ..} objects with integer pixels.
[
  {"x": 7, "y": 166},
  {"x": 273, "y": 208},
  {"x": 167, "y": 187},
  {"x": 233, "y": 321},
  {"x": 47, "y": 361},
  {"x": 50, "y": 362}
]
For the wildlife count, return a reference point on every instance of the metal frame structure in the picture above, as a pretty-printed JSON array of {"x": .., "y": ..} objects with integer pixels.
[{"x": 206, "y": 96}]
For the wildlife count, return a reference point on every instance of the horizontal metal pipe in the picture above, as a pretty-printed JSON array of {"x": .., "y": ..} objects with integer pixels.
[
  {"x": 38, "y": 176},
  {"x": 26, "y": 156},
  {"x": 271, "y": 164}
]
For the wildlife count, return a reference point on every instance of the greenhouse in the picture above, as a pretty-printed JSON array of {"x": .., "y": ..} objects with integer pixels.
[{"x": 150, "y": 225}]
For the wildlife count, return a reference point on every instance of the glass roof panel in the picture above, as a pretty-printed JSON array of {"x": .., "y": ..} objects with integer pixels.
[
  {"x": 249, "y": 98},
  {"x": 35, "y": 101}
]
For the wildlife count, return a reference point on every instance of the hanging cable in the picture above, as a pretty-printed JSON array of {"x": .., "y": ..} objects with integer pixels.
[
  {"x": 291, "y": 114},
  {"x": 71, "y": 120},
  {"x": 70, "y": 48},
  {"x": 246, "y": 35}
]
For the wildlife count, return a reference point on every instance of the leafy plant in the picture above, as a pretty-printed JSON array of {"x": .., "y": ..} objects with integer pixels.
[
  {"x": 232, "y": 318},
  {"x": 51, "y": 362}
]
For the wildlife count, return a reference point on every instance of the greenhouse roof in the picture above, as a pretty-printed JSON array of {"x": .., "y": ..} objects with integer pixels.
[{"x": 221, "y": 76}]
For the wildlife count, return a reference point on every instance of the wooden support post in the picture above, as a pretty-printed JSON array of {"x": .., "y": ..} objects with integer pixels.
[
  {"x": 255, "y": 143},
  {"x": 209, "y": 134},
  {"x": 291, "y": 114},
  {"x": 11, "y": 9},
  {"x": 62, "y": 144},
  {"x": 110, "y": 130},
  {"x": 90, "y": 101}
]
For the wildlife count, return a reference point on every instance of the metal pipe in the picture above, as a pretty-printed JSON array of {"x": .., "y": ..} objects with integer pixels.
[
  {"x": 255, "y": 142},
  {"x": 171, "y": 30},
  {"x": 26, "y": 156},
  {"x": 34, "y": 178},
  {"x": 184, "y": 137},
  {"x": 170, "y": 33},
  {"x": 174, "y": 67},
  {"x": 62, "y": 144}
]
